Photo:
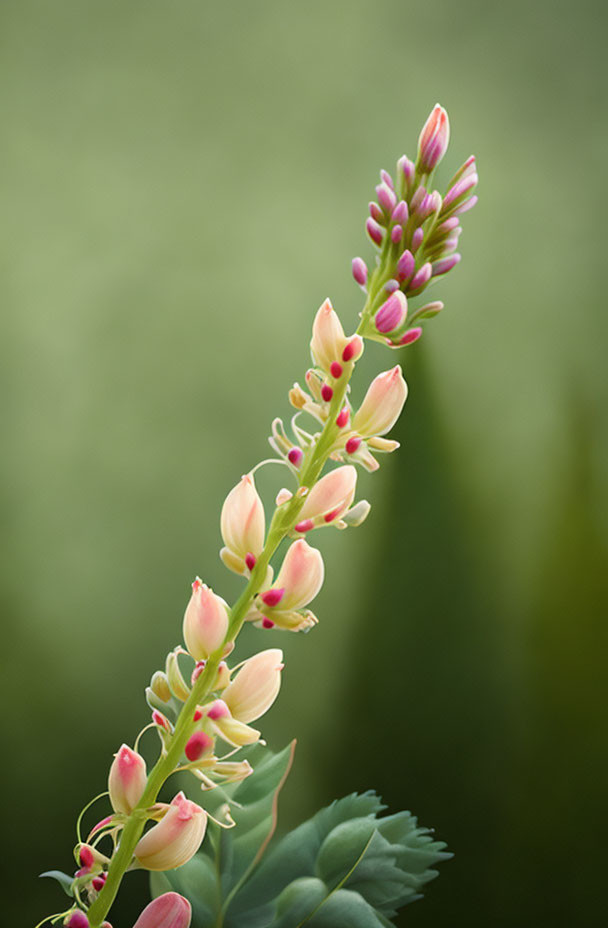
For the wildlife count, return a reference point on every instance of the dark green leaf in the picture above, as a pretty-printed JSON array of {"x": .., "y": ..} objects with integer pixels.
[{"x": 64, "y": 880}]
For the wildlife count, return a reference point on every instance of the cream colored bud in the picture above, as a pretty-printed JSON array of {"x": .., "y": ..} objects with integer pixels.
[
  {"x": 127, "y": 780},
  {"x": 205, "y": 622},
  {"x": 328, "y": 339},
  {"x": 382, "y": 404},
  {"x": 174, "y": 675},
  {"x": 332, "y": 495},
  {"x": 301, "y": 576},
  {"x": 175, "y": 839},
  {"x": 242, "y": 521},
  {"x": 160, "y": 686},
  {"x": 256, "y": 685}
]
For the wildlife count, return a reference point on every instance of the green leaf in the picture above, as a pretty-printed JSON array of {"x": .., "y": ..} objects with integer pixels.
[
  {"x": 345, "y": 909},
  {"x": 64, "y": 880}
]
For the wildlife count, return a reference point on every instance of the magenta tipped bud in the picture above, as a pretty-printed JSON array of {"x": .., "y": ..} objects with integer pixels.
[
  {"x": 386, "y": 178},
  {"x": 412, "y": 335},
  {"x": 342, "y": 418},
  {"x": 433, "y": 141},
  {"x": 198, "y": 744},
  {"x": 406, "y": 168},
  {"x": 326, "y": 392},
  {"x": 205, "y": 622},
  {"x": 353, "y": 350},
  {"x": 391, "y": 314},
  {"x": 360, "y": 271},
  {"x": 396, "y": 234},
  {"x": 304, "y": 526},
  {"x": 405, "y": 266},
  {"x": 98, "y": 882},
  {"x": 294, "y": 456},
  {"x": 400, "y": 213},
  {"x": 272, "y": 597},
  {"x": 257, "y": 684},
  {"x": 333, "y": 493},
  {"x": 353, "y": 444},
  {"x": 375, "y": 212},
  {"x": 77, "y": 919},
  {"x": 250, "y": 559},
  {"x": 386, "y": 198},
  {"x": 167, "y": 911},
  {"x": 445, "y": 264},
  {"x": 86, "y": 856},
  {"x": 175, "y": 839},
  {"x": 421, "y": 277},
  {"x": 336, "y": 370},
  {"x": 267, "y": 623},
  {"x": 127, "y": 780},
  {"x": 459, "y": 189},
  {"x": 374, "y": 231},
  {"x": 466, "y": 206},
  {"x": 417, "y": 238}
]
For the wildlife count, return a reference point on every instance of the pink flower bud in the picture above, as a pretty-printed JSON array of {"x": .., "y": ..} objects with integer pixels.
[
  {"x": 272, "y": 597},
  {"x": 406, "y": 168},
  {"x": 412, "y": 335},
  {"x": 167, "y": 911},
  {"x": 375, "y": 212},
  {"x": 417, "y": 238},
  {"x": 294, "y": 456},
  {"x": 304, "y": 526},
  {"x": 392, "y": 313},
  {"x": 374, "y": 231},
  {"x": 391, "y": 285},
  {"x": 326, "y": 392},
  {"x": 77, "y": 919},
  {"x": 445, "y": 264},
  {"x": 433, "y": 140},
  {"x": 387, "y": 179},
  {"x": 251, "y": 559},
  {"x": 98, "y": 882},
  {"x": 460, "y": 189},
  {"x": 352, "y": 445},
  {"x": 382, "y": 404},
  {"x": 328, "y": 339},
  {"x": 86, "y": 856},
  {"x": 205, "y": 622},
  {"x": 301, "y": 575},
  {"x": 353, "y": 350},
  {"x": 465, "y": 207},
  {"x": 396, "y": 234},
  {"x": 406, "y": 265},
  {"x": 336, "y": 490},
  {"x": 336, "y": 370},
  {"x": 256, "y": 685},
  {"x": 386, "y": 198},
  {"x": 242, "y": 521},
  {"x": 198, "y": 744},
  {"x": 175, "y": 839},
  {"x": 342, "y": 417},
  {"x": 360, "y": 271},
  {"x": 127, "y": 780},
  {"x": 421, "y": 277},
  {"x": 465, "y": 170},
  {"x": 401, "y": 212}
]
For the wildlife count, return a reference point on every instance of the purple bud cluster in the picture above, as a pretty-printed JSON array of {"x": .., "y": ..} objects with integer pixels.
[{"x": 416, "y": 230}]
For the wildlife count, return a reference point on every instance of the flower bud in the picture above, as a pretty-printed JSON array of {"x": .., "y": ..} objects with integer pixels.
[
  {"x": 160, "y": 686},
  {"x": 198, "y": 744},
  {"x": 167, "y": 911},
  {"x": 353, "y": 349},
  {"x": 127, "y": 780},
  {"x": 334, "y": 491},
  {"x": 382, "y": 404},
  {"x": 233, "y": 770},
  {"x": 392, "y": 313},
  {"x": 360, "y": 271},
  {"x": 174, "y": 675},
  {"x": 205, "y": 622},
  {"x": 77, "y": 919},
  {"x": 445, "y": 264},
  {"x": 175, "y": 839},
  {"x": 358, "y": 514},
  {"x": 301, "y": 575},
  {"x": 256, "y": 685},
  {"x": 374, "y": 230},
  {"x": 386, "y": 197},
  {"x": 433, "y": 140},
  {"x": 405, "y": 265},
  {"x": 421, "y": 277},
  {"x": 328, "y": 339},
  {"x": 242, "y": 521}
]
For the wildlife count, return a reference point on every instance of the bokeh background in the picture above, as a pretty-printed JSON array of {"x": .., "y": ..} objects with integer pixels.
[{"x": 181, "y": 185}]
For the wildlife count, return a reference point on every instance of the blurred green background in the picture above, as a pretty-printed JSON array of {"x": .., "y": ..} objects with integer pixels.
[{"x": 181, "y": 185}]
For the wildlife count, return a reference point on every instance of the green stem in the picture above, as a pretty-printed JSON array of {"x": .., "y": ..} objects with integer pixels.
[{"x": 283, "y": 522}]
